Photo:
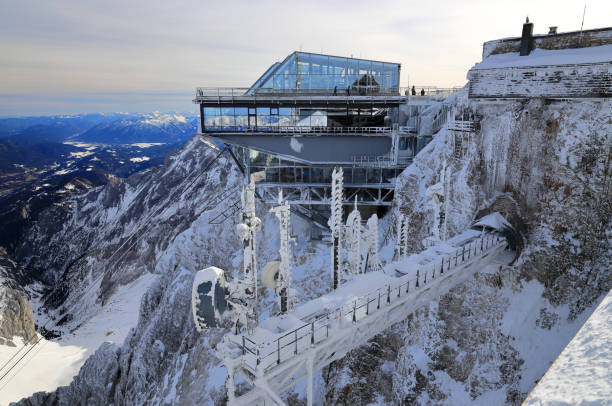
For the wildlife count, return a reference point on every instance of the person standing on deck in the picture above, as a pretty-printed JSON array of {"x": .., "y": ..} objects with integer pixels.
[
  {"x": 422, "y": 92},
  {"x": 413, "y": 91}
]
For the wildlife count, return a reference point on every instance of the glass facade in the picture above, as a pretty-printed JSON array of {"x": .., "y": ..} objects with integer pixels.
[
  {"x": 310, "y": 73},
  {"x": 286, "y": 119}
]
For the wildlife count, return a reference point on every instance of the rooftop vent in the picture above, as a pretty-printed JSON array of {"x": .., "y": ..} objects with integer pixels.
[{"x": 552, "y": 30}]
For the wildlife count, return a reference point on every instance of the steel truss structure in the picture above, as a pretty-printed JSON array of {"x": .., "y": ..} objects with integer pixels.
[{"x": 320, "y": 194}]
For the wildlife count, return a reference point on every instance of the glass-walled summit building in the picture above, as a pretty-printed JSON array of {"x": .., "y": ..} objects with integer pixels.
[
  {"x": 306, "y": 115},
  {"x": 313, "y": 73}
]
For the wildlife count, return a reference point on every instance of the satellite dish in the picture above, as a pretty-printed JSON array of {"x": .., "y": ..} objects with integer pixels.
[
  {"x": 209, "y": 298},
  {"x": 269, "y": 274}
]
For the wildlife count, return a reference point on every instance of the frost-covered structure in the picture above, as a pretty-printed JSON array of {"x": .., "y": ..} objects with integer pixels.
[
  {"x": 543, "y": 163},
  {"x": 283, "y": 283}
]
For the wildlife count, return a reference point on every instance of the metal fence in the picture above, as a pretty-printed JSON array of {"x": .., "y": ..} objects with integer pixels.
[{"x": 269, "y": 354}]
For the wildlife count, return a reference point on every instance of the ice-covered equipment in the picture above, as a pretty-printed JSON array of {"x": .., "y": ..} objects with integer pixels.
[
  {"x": 209, "y": 298},
  {"x": 269, "y": 275}
]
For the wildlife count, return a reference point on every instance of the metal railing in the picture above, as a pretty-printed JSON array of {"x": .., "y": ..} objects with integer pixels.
[
  {"x": 433, "y": 91},
  {"x": 298, "y": 129},
  {"x": 462, "y": 125},
  {"x": 202, "y": 92},
  {"x": 269, "y": 354}
]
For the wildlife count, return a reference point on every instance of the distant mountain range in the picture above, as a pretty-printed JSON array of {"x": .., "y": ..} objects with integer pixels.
[
  {"x": 115, "y": 128},
  {"x": 44, "y": 159}
]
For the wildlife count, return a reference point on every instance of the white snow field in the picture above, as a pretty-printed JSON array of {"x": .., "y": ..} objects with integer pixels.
[
  {"x": 582, "y": 374},
  {"x": 54, "y": 363}
]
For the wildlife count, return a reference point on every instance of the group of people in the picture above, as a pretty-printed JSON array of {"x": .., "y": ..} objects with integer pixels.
[{"x": 413, "y": 91}]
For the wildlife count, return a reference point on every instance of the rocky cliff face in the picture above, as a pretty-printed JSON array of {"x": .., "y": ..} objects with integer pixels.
[{"x": 546, "y": 167}]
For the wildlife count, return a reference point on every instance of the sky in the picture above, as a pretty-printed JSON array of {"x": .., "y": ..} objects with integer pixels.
[{"x": 74, "y": 56}]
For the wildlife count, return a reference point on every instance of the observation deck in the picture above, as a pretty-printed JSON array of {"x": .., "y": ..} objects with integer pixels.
[{"x": 244, "y": 97}]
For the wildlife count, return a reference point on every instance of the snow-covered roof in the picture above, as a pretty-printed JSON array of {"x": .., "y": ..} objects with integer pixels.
[{"x": 545, "y": 57}]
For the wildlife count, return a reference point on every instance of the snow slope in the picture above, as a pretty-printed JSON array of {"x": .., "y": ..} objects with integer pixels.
[
  {"x": 53, "y": 363},
  {"x": 582, "y": 374}
]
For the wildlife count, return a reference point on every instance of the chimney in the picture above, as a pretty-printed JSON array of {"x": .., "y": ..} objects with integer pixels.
[
  {"x": 552, "y": 30},
  {"x": 527, "y": 43}
]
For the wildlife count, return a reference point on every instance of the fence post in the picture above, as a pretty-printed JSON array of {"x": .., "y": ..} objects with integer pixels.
[
  {"x": 469, "y": 250},
  {"x": 463, "y": 254},
  {"x": 481, "y": 244},
  {"x": 398, "y": 291},
  {"x": 296, "y": 342},
  {"x": 442, "y": 267},
  {"x": 407, "y": 286},
  {"x": 417, "y": 281},
  {"x": 456, "y": 256},
  {"x": 312, "y": 335},
  {"x": 243, "y": 346},
  {"x": 425, "y": 278},
  {"x": 388, "y": 294},
  {"x": 354, "y": 311},
  {"x": 378, "y": 305},
  {"x": 278, "y": 350},
  {"x": 367, "y": 306}
]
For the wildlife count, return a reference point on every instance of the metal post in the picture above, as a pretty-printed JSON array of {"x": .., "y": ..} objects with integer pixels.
[
  {"x": 296, "y": 342},
  {"x": 463, "y": 254},
  {"x": 312, "y": 333},
  {"x": 378, "y": 305},
  {"x": 388, "y": 294},
  {"x": 442, "y": 267},
  {"x": 309, "y": 391},
  {"x": 417, "y": 281},
  {"x": 354, "y": 311},
  {"x": 278, "y": 350},
  {"x": 243, "y": 346}
]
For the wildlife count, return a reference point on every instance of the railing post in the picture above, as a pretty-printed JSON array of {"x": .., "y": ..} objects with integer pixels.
[
  {"x": 425, "y": 278},
  {"x": 469, "y": 250},
  {"x": 296, "y": 342},
  {"x": 388, "y": 294},
  {"x": 417, "y": 281},
  {"x": 312, "y": 340},
  {"x": 407, "y": 286},
  {"x": 481, "y": 244},
  {"x": 278, "y": 350},
  {"x": 456, "y": 256},
  {"x": 463, "y": 254},
  {"x": 442, "y": 267},
  {"x": 258, "y": 359},
  {"x": 243, "y": 346},
  {"x": 475, "y": 248},
  {"x": 367, "y": 306},
  {"x": 354, "y": 311},
  {"x": 378, "y": 305}
]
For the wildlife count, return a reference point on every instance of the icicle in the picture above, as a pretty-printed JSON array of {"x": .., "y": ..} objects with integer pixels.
[
  {"x": 335, "y": 222},
  {"x": 283, "y": 287},
  {"x": 353, "y": 241}
]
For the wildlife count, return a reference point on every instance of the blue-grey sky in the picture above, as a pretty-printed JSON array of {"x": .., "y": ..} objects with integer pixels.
[{"x": 72, "y": 56}]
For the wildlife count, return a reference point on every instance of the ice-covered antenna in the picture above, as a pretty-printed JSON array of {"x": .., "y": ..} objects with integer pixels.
[
  {"x": 446, "y": 184},
  {"x": 401, "y": 244},
  {"x": 247, "y": 231},
  {"x": 353, "y": 240},
  {"x": 283, "y": 285},
  {"x": 335, "y": 221},
  {"x": 373, "y": 262}
]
